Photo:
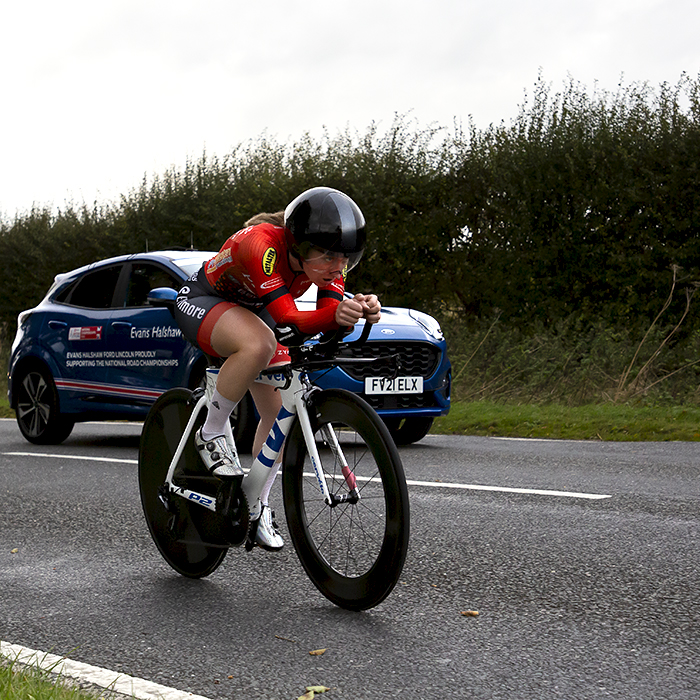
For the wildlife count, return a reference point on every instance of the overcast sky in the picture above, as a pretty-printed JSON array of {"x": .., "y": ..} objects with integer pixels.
[{"x": 97, "y": 94}]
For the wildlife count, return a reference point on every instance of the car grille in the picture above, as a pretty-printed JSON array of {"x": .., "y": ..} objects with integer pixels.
[{"x": 417, "y": 359}]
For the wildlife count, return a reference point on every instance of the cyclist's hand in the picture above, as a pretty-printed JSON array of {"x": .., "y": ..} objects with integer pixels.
[
  {"x": 371, "y": 308},
  {"x": 349, "y": 312}
]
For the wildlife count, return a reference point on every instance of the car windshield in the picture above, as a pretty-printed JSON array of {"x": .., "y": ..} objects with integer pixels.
[{"x": 190, "y": 265}]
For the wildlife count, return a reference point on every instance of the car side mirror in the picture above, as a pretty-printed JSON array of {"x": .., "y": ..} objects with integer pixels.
[{"x": 162, "y": 297}]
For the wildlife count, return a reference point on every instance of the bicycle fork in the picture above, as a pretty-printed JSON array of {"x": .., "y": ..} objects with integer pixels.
[
  {"x": 331, "y": 439},
  {"x": 295, "y": 401}
]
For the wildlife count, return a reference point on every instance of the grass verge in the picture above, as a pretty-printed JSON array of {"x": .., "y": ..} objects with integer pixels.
[
  {"x": 590, "y": 422},
  {"x": 601, "y": 421},
  {"x": 19, "y": 682}
]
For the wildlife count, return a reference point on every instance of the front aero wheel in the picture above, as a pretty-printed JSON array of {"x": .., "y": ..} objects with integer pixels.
[
  {"x": 354, "y": 549},
  {"x": 186, "y": 534}
]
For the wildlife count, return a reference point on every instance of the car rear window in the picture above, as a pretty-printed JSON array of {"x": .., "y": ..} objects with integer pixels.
[{"x": 94, "y": 290}]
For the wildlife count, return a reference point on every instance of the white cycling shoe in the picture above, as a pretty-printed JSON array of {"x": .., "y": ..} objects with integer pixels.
[
  {"x": 218, "y": 457},
  {"x": 267, "y": 534}
]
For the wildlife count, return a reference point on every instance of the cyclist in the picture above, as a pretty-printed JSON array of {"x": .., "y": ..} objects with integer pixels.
[{"x": 240, "y": 306}]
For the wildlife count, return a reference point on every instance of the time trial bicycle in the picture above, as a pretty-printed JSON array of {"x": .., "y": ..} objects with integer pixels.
[{"x": 343, "y": 484}]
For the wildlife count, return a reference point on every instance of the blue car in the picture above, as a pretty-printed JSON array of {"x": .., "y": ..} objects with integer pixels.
[{"x": 101, "y": 346}]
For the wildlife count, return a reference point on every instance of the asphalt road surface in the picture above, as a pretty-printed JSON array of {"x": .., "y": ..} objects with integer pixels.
[{"x": 582, "y": 560}]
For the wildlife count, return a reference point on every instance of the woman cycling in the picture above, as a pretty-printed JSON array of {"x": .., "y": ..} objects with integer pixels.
[{"x": 240, "y": 306}]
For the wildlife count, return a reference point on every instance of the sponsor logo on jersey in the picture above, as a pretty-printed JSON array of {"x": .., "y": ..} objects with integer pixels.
[
  {"x": 269, "y": 259},
  {"x": 272, "y": 284},
  {"x": 222, "y": 258}
]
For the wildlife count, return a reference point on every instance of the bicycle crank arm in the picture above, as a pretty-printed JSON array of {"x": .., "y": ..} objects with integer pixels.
[{"x": 201, "y": 499}]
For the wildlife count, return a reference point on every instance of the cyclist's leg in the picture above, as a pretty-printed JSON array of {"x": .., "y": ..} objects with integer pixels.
[
  {"x": 224, "y": 329},
  {"x": 230, "y": 331},
  {"x": 248, "y": 345},
  {"x": 268, "y": 399},
  {"x": 268, "y": 403}
]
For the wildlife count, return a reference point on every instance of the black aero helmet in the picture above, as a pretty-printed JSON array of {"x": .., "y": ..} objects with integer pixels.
[{"x": 328, "y": 220}]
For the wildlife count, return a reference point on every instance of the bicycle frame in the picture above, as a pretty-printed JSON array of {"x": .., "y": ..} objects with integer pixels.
[{"x": 295, "y": 390}]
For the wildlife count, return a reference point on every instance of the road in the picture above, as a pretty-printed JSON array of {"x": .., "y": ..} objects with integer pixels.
[{"x": 592, "y": 595}]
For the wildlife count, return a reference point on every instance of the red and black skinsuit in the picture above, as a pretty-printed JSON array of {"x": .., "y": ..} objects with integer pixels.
[{"x": 252, "y": 270}]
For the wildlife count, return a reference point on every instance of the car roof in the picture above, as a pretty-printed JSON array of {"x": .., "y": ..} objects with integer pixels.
[{"x": 177, "y": 257}]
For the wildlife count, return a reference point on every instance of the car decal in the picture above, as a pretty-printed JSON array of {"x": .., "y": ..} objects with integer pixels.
[
  {"x": 107, "y": 389},
  {"x": 85, "y": 333}
]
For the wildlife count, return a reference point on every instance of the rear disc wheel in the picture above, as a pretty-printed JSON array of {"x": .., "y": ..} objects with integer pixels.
[{"x": 188, "y": 535}]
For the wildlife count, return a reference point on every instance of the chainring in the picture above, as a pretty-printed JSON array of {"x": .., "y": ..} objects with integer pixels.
[{"x": 234, "y": 513}]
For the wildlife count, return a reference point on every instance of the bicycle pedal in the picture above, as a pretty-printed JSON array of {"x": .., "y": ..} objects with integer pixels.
[
  {"x": 232, "y": 509},
  {"x": 164, "y": 496},
  {"x": 196, "y": 395},
  {"x": 236, "y": 479}
]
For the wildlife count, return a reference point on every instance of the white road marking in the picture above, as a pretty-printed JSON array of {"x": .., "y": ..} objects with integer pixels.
[
  {"x": 118, "y": 682},
  {"x": 506, "y": 489},
  {"x": 410, "y": 482},
  {"x": 83, "y": 457}
]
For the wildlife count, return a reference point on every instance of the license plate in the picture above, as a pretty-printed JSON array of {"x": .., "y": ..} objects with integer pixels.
[{"x": 398, "y": 385}]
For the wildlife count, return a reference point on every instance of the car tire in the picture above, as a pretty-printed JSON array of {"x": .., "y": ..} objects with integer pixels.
[
  {"x": 37, "y": 408},
  {"x": 408, "y": 430}
]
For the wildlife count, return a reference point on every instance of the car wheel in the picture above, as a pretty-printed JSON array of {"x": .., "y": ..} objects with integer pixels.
[
  {"x": 38, "y": 415},
  {"x": 408, "y": 430}
]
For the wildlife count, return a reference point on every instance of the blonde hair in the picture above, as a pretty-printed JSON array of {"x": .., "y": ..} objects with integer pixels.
[{"x": 277, "y": 218}]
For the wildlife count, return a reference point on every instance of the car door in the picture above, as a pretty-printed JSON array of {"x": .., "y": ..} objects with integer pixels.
[
  {"x": 146, "y": 353},
  {"x": 74, "y": 329}
]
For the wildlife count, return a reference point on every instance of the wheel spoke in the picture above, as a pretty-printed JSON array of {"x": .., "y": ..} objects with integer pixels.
[
  {"x": 350, "y": 537},
  {"x": 33, "y": 411}
]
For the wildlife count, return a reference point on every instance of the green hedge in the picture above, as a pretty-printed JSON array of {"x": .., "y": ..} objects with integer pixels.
[{"x": 578, "y": 208}]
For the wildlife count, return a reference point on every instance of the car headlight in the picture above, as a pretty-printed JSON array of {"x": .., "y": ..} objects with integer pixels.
[{"x": 431, "y": 326}]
